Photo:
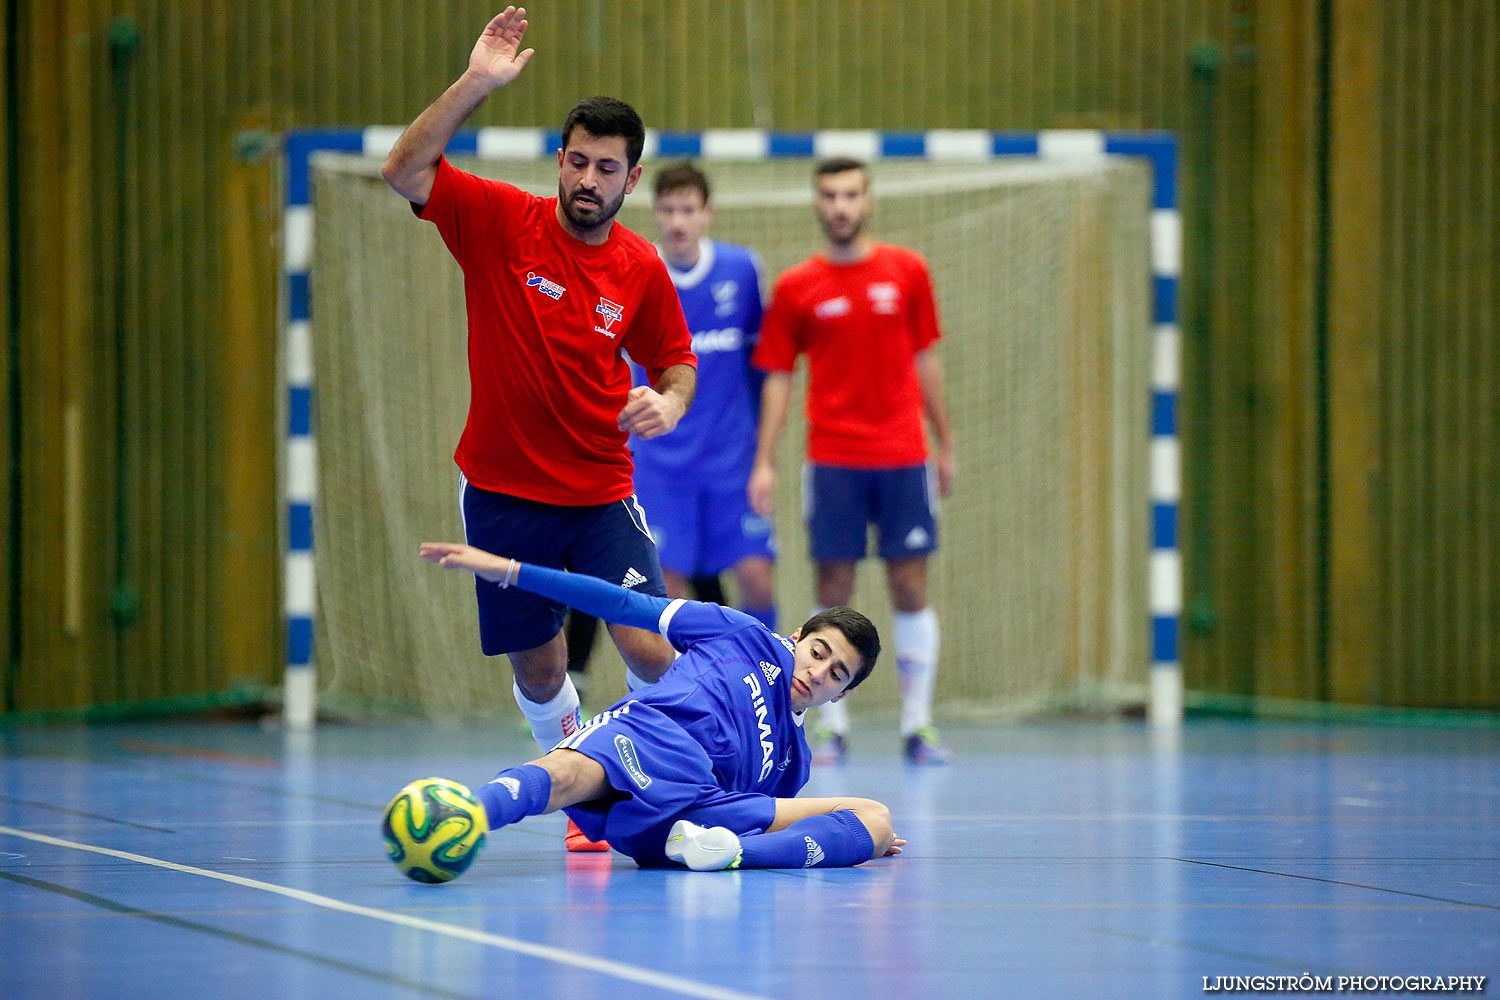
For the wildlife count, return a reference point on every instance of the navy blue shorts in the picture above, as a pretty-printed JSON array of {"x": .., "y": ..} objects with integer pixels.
[
  {"x": 701, "y": 528},
  {"x": 660, "y": 774},
  {"x": 841, "y": 503},
  {"x": 609, "y": 541}
]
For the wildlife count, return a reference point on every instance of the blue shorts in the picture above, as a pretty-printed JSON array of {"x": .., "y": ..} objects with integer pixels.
[
  {"x": 701, "y": 529},
  {"x": 608, "y": 541},
  {"x": 659, "y": 774},
  {"x": 841, "y": 503}
]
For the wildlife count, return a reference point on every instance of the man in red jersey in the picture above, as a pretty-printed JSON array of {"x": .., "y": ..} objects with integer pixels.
[
  {"x": 863, "y": 313},
  {"x": 555, "y": 292}
]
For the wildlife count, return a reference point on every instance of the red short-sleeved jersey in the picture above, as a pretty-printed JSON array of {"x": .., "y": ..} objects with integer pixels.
[
  {"x": 861, "y": 326},
  {"x": 548, "y": 319}
]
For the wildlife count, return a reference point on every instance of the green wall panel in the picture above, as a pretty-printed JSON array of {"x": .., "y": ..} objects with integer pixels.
[{"x": 199, "y": 289}]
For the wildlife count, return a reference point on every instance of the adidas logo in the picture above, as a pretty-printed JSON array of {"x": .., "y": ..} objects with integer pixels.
[
  {"x": 511, "y": 785},
  {"x": 633, "y": 578},
  {"x": 814, "y": 852},
  {"x": 771, "y": 670},
  {"x": 917, "y": 537}
]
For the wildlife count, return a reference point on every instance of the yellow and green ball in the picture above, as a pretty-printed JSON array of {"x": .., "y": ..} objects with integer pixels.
[{"x": 433, "y": 829}]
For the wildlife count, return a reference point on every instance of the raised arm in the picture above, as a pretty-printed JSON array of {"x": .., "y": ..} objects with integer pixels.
[
  {"x": 497, "y": 59},
  {"x": 775, "y": 397},
  {"x": 930, "y": 375}
]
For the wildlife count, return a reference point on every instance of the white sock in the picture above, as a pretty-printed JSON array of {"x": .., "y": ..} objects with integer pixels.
[
  {"x": 917, "y": 640},
  {"x": 634, "y": 681},
  {"x": 557, "y": 719}
]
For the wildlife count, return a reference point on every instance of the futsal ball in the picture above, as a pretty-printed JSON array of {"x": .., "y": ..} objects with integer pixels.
[{"x": 433, "y": 829}]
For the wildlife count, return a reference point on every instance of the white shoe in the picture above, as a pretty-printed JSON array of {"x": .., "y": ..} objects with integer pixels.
[{"x": 703, "y": 848}]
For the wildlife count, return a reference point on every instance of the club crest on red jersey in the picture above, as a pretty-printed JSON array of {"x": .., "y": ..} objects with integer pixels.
[
  {"x": 885, "y": 297},
  {"x": 612, "y": 312}
]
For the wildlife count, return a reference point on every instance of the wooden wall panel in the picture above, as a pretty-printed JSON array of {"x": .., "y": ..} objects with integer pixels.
[
  {"x": 1221, "y": 299},
  {"x": 10, "y": 636},
  {"x": 1411, "y": 593},
  {"x": 147, "y": 619},
  {"x": 1357, "y": 157},
  {"x": 1438, "y": 528},
  {"x": 42, "y": 586},
  {"x": 1280, "y": 462}
]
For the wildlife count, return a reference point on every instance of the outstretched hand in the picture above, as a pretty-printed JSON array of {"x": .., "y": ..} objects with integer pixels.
[
  {"x": 497, "y": 56},
  {"x": 485, "y": 565}
]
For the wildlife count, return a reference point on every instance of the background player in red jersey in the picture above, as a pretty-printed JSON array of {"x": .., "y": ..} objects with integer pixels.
[
  {"x": 863, "y": 313},
  {"x": 555, "y": 292}
]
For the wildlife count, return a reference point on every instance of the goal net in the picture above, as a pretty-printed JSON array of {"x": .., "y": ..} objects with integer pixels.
[{"x": 1042, "y": 277}]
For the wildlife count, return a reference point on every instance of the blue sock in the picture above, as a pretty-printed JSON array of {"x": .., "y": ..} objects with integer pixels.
[
  {"x": 767, "y": 615},
  {"x": 515, "y": 793},
  {"x": 837, "y": 840}
]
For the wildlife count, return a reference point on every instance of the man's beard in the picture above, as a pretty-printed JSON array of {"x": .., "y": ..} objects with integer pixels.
[
  {"x": 853, "y": 233},
  {"x": 587, "y": 218}
]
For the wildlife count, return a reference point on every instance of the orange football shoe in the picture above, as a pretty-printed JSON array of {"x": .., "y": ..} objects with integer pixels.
[{"x": 578, "y": 843}]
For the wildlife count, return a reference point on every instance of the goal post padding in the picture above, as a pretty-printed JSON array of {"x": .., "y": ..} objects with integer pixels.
[{"x": 1041, "y": 582}]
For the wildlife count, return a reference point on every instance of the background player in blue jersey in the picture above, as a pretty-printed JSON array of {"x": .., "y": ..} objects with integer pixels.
[
  {"x": 692, "y": 482},
  {"x": 700, "y": 769}
]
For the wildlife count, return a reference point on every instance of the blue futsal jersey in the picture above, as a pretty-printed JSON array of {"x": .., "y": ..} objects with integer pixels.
[
  {"x": 715, "y": 740},
  {"x": 731, "y": 691},
  {"x": 721, "y": 300}
]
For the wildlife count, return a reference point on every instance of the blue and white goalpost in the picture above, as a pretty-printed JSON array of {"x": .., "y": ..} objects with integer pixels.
[{"x": 299, "y": 461}]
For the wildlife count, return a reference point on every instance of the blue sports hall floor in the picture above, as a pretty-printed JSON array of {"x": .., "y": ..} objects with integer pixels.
[{"x": 1060, "y": 859}]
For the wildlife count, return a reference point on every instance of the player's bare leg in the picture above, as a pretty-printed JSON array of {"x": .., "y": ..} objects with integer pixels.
[
  {"x": 580, "y": 630},
  {"x": 544, "y": 691},
  {"x": 576, "y": 778},
  {"x": 917, "y": 639},
  {"x": 541, "y": 671},
  {"x": 553, "y": 781},
  {"x": 755, "y": 577},
  {"x": 647, "y": 655},
  {"x": 677, "y": 584},
  {"x": 908, "y": 579},
  {"x": 835, "y": 583},
  {"x": 548, "y": 699}
]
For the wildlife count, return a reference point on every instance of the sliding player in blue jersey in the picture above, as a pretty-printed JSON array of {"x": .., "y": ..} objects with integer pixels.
[
  {"x": 701, "y": 768},
  {"x": 692, "y": 482}
]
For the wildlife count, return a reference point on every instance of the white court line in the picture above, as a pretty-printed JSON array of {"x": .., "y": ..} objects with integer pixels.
[{"x": 619, "y": 970}]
